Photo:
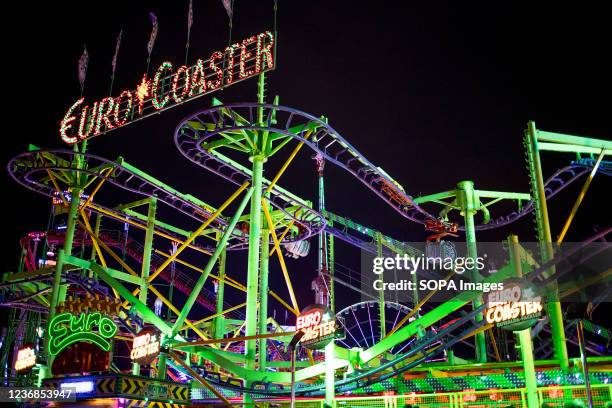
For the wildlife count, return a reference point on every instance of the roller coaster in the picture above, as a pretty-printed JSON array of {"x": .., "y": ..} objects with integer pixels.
[{"x": 224, "y": 355}]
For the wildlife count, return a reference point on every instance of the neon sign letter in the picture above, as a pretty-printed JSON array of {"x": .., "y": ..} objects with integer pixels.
[
  {"x": 26, "y": 359},
  {"x": 66, "y": 123},
  {"x": 156, "y": 102},
  {"x": 66, "y": 329}
]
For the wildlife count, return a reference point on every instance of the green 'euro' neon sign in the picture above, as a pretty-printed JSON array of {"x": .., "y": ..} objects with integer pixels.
[{"x": 66, "y": 329}]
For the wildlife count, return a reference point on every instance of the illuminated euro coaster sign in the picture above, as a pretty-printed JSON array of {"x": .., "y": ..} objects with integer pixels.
[
  {"x": 66, "y": 329},
  {"x": 145, "y": 346},
  {"x": 169, "y": 87},
  {"x": 319, "y": 326},
  {"x": 26, "y": 359},
  {"x": 514, "y": 308}
]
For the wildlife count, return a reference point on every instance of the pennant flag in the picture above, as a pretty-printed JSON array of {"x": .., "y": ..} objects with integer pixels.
[
  {"x": 83, "y": 62},
  {"x": 153, "y": 32},
  {"x": 189, "y": 19},
  {"x": 117, "y": 51},
  {"x": 228, "y": 7}
]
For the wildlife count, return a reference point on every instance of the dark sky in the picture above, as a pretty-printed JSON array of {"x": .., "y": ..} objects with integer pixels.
[{"x": 434, "y": 93}]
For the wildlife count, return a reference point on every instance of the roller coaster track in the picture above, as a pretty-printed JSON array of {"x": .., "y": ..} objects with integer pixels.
[
  {"x": 30, "y": 170},
  {"x": 194, "y": 132},
  {"x": 558, "y": 181}
]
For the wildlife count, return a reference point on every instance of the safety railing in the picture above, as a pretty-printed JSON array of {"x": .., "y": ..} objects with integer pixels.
[{"x": 555, "y": 396}]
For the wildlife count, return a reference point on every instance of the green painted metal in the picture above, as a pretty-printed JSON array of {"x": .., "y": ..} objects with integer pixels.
[
  {"x": 166, "y": 226},
  {"x": 581, "y": 141},
  {"x": 219, "y": 321},
  {"x": 554, "y": 147},
  {"x": 187, "y": 197},
  {"x": 162, "y": 361},
  {"x": 330, "y": 377},
  {"x": 524, "y": 336},
  {"x": 197, "y": 288},
  {"x": 553, "y": 304},
  {"x": 381, "y": 292},
  {"x": 143, "y": 311},
  {"x": 263, "y": 298},
  {"x": 252, "y": 297},
  {"x": 467, "y": 199},
  {"x": 146, "y": 260}
]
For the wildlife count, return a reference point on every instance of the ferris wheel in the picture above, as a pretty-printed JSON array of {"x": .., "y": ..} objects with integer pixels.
[{"x": 362, "y": 324}]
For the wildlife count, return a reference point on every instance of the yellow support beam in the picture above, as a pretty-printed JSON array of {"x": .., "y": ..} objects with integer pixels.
[
  {"x": 231, "y": 282},
  {"x": 207, "y": 318},
  {"x": 97, "y": 188},
  {"x": 132, "y": 272},
  {"x": 287, "y": 163},
  {"x": 197, "y": 232},
  {"x": 142, "y": 226},
  {"x": 281, "y": 259},
  {"x": 580, "y": 197}
]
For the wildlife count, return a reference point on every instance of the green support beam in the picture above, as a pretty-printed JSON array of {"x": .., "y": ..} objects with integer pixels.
[
  {"x": 219, "y": 321},
  {"x": 469, "y": 203},
  {"x": 553, "y": 305},
  {"x": 263, "y": 299},
  {"x": 210, "y": 264},
  {"x": 143, "y": 311},
  {"x": 252, "y": 297},
  {"x": 146, "y": 259}
]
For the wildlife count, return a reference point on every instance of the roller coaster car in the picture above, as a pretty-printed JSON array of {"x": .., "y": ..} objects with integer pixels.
[
  {"x": 391, "y": 190},
  {"x": 441, "y": 228}
]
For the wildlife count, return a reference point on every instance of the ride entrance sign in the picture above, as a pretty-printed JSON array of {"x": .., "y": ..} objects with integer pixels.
[
  {"x": 514, "y": 308},
  {"x": 169, "y": 86},
  {"x": 319, "y": 326}
]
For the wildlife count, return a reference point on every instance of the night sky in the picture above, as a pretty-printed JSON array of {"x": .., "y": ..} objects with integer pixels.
[{"x": 434, "y": 94}]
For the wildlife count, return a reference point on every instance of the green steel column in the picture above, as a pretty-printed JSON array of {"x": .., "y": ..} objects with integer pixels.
[
  {"x": 553, "y": 304},
  {"x": 330, "y": 265},
  {"x": 161, "y": 365},
  {"x": 524, "y": 336},
  {"x": 58, "y": 293},
  {"x": 252, "y": 298},
  {"x": 263, "y": 300},
  {"x": 326, "y": 241},
  {"x": 67, "y": 250},
  {"x": 220, "y": 319},
  {"x": 329, "y": 374},
  {"x": 253, "y": 266},
  {"x": 381, "y": 293},
  {"x": 468, "y": 201},
  {"x": 146, "y": 261}
]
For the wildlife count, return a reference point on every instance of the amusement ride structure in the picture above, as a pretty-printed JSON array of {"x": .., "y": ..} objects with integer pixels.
[{"x": 107, "y": 260}]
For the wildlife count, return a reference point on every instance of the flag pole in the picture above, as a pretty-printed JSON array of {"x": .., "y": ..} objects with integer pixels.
[
  {"x": 152, "y": 38},
  {"x": 229, "y": 8},
  {"x": 189, "y": 23},
  {"x": 114, "y": 63}
]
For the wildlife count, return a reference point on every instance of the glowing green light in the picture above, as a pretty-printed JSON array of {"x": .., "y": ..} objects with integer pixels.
[{"x": 66, "y": 329}]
